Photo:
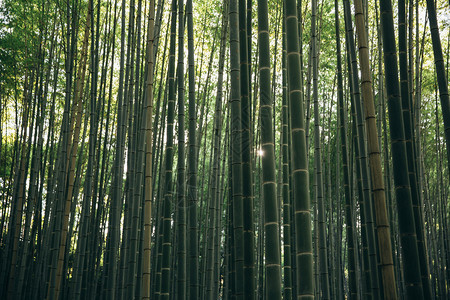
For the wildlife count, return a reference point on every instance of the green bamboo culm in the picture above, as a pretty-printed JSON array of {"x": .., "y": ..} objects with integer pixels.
[
  {"x": 406, "y": 222},
  {"x": 351, "y": 254},
  {"x": 145, "y": 292},
  {"x": 116, "y": 194},
  {"x": 236, "y": 152},
  {"x": 287, "y": 207},
  {"x": 181, "y": 182},
  {"x": 318, "y": 179},
  {"x": 168, "y": 193},
  {"x": 367, "y": 219},
  {"x": 135, "y": 171},
  {"x": 271, "y": 223},
  {"x": 408, "y": 125},
  {"x": 213, "y": 270},
  {"x": 247, "y": 174},
  {"x": 300, "y": 176},
  {"x": 192, "y": 164}
]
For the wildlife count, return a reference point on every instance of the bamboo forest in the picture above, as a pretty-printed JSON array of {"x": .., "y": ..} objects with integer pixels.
[{"x": 234, "y": 149}]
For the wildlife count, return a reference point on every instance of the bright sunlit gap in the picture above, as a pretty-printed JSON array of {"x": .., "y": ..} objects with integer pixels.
[{"x": 260, "y": 152}]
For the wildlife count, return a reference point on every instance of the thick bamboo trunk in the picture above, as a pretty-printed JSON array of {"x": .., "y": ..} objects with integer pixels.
[
  {"x": 300, "y": 177},
  {"x": 268, "y": 184},
  {"x": 379, "y": 199}
]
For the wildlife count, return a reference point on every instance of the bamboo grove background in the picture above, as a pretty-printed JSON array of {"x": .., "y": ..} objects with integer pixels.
[{"x": 224, "y": 150}]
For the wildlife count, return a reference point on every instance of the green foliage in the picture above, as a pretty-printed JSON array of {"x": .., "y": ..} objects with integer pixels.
[{"x": 6, "y": 164}]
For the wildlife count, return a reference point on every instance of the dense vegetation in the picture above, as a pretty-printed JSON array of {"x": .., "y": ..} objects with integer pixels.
[{"x": 224, "y": 150}]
